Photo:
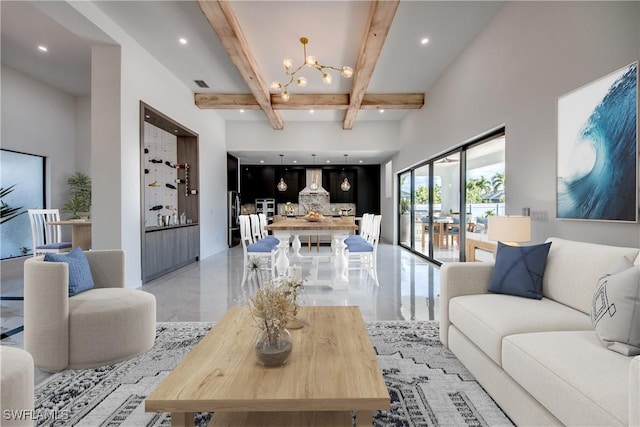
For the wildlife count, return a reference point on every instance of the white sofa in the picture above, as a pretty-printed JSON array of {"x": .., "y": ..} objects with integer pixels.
[{"x": 541, "y": 360}]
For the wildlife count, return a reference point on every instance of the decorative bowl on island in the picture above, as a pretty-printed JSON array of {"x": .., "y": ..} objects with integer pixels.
[{"x": 314, "y": 217}]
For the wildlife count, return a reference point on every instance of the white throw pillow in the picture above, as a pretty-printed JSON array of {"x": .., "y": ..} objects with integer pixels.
[{"x": 615, "y": 312}]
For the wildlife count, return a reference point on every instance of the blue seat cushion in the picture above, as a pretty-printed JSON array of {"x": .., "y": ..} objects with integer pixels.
[
  {"x": 58, "y": 245},
  {"x": 80, "y": 277},
  {"x": 359, "y": 247},
  {"x": 354, "y": 238},
  {"x": 260, "y": 247},
  {"x": 270, "y": 240}
]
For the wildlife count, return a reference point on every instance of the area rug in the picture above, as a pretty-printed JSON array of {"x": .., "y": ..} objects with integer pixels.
[{"x": 427, "y": 384}]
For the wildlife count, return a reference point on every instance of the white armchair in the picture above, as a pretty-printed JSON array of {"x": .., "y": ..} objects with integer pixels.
[{"x": 101, "y": 326}]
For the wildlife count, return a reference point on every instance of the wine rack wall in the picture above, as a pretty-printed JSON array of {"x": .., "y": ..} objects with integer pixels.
[
  {"x": 169, "y": 191},
  {"x": 160, "y": 174}
]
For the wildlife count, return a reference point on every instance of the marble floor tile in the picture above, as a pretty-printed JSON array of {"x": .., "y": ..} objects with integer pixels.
[{"x": 409, "y": 289}]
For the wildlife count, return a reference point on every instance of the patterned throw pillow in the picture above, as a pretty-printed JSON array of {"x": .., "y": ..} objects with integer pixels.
[
  {"x": 519, "y": 269},
  {"x": 615, "y": 312},
  {"x": 80, "y": 277}
]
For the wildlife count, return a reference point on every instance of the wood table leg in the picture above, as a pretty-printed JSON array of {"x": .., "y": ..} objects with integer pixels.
[
  {"x": 81, "y": 236},
  {"x": 182, "y": 419},
  {"x": 364, "y": 418}
]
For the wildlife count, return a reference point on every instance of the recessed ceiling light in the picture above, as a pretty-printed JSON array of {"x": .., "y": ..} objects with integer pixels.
[
  {"x": 147, "y": 116},
  {"x": 295, "y": 161},
  {"x": 242, "y": 111},
  {"x": 182, "y": 40},
  {"x": 328, "y": 161},
  {"x": 381, "y": 111},
  {"x": 175, "y": 130},
  {"x": 43, "y": 48},
  {"x": 360, "y": 161},
  {"x": 261, "y": 161},
  {"x": 424, "y": 41},
  {"x": 311, "y": 111}
]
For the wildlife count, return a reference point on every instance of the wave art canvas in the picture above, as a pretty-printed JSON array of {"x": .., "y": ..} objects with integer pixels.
[{"x": 598, "y": 151}]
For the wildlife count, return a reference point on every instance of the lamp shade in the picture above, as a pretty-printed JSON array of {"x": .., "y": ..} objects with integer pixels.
[{"x": 509, "y": 228}]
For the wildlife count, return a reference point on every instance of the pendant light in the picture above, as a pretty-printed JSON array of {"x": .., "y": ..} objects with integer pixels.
[
  {"x": 345, "y": 186},
  {"x": 314, "y": 185},
  {"x": 282, "y": 186}
]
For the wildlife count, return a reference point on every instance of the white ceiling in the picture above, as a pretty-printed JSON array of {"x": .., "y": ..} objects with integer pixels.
[{"x": 272, "y": 29}]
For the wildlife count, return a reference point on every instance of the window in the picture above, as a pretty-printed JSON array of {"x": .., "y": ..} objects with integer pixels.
[{"x": 25, "y": 172}]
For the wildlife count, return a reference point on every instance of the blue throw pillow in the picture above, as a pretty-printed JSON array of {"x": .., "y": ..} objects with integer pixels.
[
  {"x": 519, "y": 269},
  {"x": 80, "y": 277}
]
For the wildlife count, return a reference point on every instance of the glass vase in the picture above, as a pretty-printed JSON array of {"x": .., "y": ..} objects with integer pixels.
[{"x": 273, "y": 347}]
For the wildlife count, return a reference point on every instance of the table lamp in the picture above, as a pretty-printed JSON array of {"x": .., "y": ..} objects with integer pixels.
[{"x": 509, "y": 230}]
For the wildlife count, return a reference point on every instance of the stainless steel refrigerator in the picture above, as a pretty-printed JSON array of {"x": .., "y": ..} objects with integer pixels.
[{"x": 233, "y": 224}]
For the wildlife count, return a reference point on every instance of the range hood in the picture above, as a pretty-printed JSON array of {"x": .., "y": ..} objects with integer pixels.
[{"x": 313, "y": 182}]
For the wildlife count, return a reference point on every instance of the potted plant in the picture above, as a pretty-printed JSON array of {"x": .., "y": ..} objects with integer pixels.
[
  {"x": 405, "y": 219},
  {"x": 80, "y": 203},
  {"x": 273, "y": 307},
  {"x": 7, "y": 213}
]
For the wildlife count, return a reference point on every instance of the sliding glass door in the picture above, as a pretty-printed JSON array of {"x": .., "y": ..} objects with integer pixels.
[
  {"x": 405, "y": 209},
  {"x": 446, "y": 207},
  {"x": 429, "y": 208},
  {"x": 422, "y": 210},
  {"x": 446, "y": 200},
  {"x": 485, "y": 188}
]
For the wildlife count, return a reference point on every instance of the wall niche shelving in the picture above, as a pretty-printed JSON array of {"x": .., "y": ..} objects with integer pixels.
[{"x": 169, "y": 190}]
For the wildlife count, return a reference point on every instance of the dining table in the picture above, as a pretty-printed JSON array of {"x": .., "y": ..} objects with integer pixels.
[
  {"x": 338, "y": 228},
  {"x": 80, "y": 232},
  {"x": 441, "y": 228}
]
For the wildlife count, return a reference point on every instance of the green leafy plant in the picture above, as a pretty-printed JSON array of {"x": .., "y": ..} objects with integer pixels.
[
  {"x": 404, "y": 205},
  {"x": 80, "y": 185},
  {"x": 7, "y": 213},
  {"x": 422, "y": 194}
]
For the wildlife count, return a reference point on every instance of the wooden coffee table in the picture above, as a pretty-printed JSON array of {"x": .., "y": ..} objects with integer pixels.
[{"x": 331, "y": 371}]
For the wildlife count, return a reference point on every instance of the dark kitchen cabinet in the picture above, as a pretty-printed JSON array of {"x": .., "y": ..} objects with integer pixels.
[
  {"x": 332, "y": 180},
  {"x": 258, "y": 182}
]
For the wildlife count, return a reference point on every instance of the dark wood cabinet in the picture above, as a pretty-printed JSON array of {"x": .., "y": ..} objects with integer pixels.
[
  {"x": 332, "y": 180},
  {"x": 233, "y": 164},
  {"x": 368, "y": 190},
  {"x": 295, "y": 183},
  {"x": 167, "y": 249},
  {"x": 258, "y": 182}
]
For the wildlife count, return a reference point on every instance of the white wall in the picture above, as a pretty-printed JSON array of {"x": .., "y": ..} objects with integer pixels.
[
  {"x": 117, "y": 180},
  {"x": 512, "y": 74},
  {"x": 39, "y": 119},
  {"x": 307, "y": 136},
  {"x": 83, "y": 134}
]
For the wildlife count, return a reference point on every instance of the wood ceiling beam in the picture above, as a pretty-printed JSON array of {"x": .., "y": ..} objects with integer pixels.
[
  {"x": 225, "y": 25},
  {"x": 381, "y": 16},
  {"x": 311, "y": 102},
  {"x": 390, "y": 101},
  {"x": 227, "y": 101}
]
